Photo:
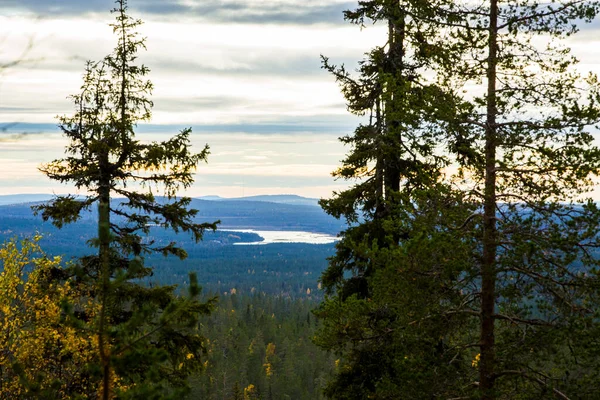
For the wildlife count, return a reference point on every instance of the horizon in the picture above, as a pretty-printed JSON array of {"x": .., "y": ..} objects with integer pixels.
[{"x": 203, "y": 197}]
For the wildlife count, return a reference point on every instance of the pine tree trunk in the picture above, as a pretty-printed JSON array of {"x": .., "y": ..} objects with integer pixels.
[
  {"x": 104, "y": 259},
  {"x": 488, "y": 267}
]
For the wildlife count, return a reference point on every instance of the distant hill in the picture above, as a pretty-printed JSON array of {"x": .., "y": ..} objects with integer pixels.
[
  {"x": 24, "y": 198},
  {"x": 275, "y": 198},
  {"x": 212, "y": 197},
  {"x": 270, "y": 198},
  {"x": 283, "y": 212}
]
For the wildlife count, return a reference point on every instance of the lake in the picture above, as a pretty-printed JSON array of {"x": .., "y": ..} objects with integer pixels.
[{"x": 286, "y": 237}]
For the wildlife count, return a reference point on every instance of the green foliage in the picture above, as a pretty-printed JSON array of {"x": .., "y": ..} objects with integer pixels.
[
  {"x": 536, "y": 291},
  {"x": 400, "y": 338},
  {"x": 397, "y": 263},
  {"x": 147, "y": 338},
  {"x": 263, "y": 341},
  {"x": 481, "y": 283}
]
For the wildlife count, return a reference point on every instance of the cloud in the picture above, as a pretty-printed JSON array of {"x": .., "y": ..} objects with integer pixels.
[
  {"x": 265, "y": 12},
  {"x": 239, "y": 163},
  {"x": 56, "y": 7},
  {"x": 179, "y": 104},
  {"x": 245, "y": 75},
  {"x": 255, "y": 12},
  {"x": 256, "y": 158},
  {"x": 204, "y": 178},
  {"x": 17, "y": 110},
  {"x": 213, "y": 73},
  {"x": 269, "y": 125},
  {"x": 265, "y": 64}
]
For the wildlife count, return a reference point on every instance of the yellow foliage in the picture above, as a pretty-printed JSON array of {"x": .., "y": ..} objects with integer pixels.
[
  {"x": 475, "y": 361},
  {"x": 35, "y": 345},
  {"x": 268, "y": 369},
  {"x": 270, "y": 350},
  {"x": 249, "y": 392},
  {"x": 269, "y": 353}
]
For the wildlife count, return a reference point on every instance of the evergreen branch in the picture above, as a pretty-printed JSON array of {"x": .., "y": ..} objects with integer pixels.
[
  {"x": 551, "y": 12},
  {"x": 517, "y": 320},
  {"x": 466, "y": 222},
  {"x": 525, "y": 375}
]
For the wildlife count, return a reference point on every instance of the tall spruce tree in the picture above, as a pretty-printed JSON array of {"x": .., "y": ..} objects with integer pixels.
[
  {"x": 393, "y": 154},
  {"x": 146, "y": 335},
  {"x": 398, "y": 246}
]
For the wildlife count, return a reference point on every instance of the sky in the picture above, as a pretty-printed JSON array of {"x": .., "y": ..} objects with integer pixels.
[{"x": 243, "y": 74}]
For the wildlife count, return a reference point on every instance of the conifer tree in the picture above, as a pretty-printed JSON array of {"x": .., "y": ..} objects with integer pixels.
[
  {"x": 532, "y": 162},
  {"x": 399, "y": 212},
  {"x": 487, "y": 286},
  {"x": 393, "y": 153},
  {"x": 146, "y": 336}
]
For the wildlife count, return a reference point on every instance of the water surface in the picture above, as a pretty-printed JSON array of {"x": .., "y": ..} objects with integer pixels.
[{"x": 286, "y": 237}]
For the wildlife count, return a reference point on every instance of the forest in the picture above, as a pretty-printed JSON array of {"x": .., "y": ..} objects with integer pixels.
[{"x": 467, "y": 265}]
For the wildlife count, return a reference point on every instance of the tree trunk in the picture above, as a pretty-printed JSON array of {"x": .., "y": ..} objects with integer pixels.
[
  {"x": 104, "y": 260},
  {"x": 396, "y": 34},
  {"x": 488, "y": 267},
  {"x": 392, "y": 107}
]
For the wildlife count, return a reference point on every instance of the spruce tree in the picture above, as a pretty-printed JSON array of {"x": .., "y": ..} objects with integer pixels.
[
  {"x": 393, "y": 154},
  {"x": 399, "y": 211},
  {"x": 146, "y": 335}
]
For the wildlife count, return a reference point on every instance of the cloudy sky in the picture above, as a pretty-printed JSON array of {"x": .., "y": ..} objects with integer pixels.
[{"x": 244, "y": 74}]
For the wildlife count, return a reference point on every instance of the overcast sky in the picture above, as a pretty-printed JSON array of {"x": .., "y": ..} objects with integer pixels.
[{"x": 244, "y": 74}]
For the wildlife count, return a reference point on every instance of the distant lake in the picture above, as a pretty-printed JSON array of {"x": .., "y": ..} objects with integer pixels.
[{"x": 286, "y": 237}]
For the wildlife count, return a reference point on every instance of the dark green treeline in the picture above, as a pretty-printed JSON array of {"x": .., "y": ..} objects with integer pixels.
[{"x": 263, "y": 345}]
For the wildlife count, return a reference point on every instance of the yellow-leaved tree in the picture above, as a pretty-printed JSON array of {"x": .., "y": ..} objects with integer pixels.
[{"x": 42, "y": 355}]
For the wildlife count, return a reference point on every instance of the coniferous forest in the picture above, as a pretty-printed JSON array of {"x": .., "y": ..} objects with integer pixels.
[{"x": 467, "y": 264}]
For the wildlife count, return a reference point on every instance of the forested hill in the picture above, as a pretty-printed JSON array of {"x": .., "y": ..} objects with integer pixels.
[{"x": 256, "y": 214}]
